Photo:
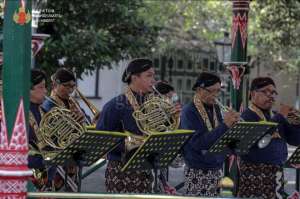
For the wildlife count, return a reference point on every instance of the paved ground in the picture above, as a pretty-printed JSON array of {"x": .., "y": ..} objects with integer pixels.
[{"x": 95, "y": 182}]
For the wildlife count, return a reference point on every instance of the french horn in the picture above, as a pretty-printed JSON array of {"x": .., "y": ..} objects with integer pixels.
[
  {"x": 156, "y": 114},
  {"x": 58, "y": 128},
  {"x": 294, "y": 117}
]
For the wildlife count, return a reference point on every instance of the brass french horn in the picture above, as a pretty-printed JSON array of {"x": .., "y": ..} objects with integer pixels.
[
  {"x": 156, "y": 114},
  {"x": 294, "y": 117},
  {"x": 60, "y": 127}
]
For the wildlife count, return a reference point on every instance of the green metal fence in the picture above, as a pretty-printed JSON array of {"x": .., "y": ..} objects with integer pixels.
[{"x": 106, "y": 196}]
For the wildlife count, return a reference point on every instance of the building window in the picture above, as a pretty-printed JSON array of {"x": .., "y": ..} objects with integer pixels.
[
  {"x": 212, "y": 66},
  {"x": 221, "y": 67},
  {"x": 156, "y": 63},
  {"x": 188, "y": 84},
  {"x": 179, "y": 84},
  {"x": 198, "y": 65},
  {"x": 180, "y": 64},
  {"x": 170, "y": 63},
  {"x": 163, "y": 68},
  {"x": 190, "y": 65},
  {"x": 205, "y": 64},
  {"x": 163, "y": 62}
]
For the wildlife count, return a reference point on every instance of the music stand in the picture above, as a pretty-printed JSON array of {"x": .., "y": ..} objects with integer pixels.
[
  {"x": 242, "y": 136},
  {"x": 86, "y": 150},
  {"x": 294, "y": 160},
  {"x": 157, "y": 152},
  {"x": 90, "y": 127}
]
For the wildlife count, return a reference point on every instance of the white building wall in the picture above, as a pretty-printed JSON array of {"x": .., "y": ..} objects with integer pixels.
[{"x": 109, "y": 86}]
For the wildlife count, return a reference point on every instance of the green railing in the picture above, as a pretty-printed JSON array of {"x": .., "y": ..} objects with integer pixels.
[
  {"x": 106, "y": 196},
  {"x": 100, "y": 163}
]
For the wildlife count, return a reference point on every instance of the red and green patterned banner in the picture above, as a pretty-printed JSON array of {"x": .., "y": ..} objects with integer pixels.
[
  {"x": 14, "y": 172},
  {"x": 239, "y": 33},
  {"x": 238, "y": 50},
  {"x": 16, "y": 58}
]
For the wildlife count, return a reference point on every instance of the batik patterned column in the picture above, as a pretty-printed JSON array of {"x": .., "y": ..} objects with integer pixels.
[
  {"x": 238, "y": 49},
  {"x": 14, "y": 172},
  {"x": 17, "y": 58}
]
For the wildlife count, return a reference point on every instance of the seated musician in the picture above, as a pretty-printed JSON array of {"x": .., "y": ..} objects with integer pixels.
[
  {"x": 261, "y": 172},
  {"x": 203, "y": 170},
  {"x": 117, "y": 116},
  {"x": 35, "y": 160}
]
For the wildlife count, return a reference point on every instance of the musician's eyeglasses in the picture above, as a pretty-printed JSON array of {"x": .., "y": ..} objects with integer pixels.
[
  {"x": 213, "y": 91},
  {"x": 67, "y": 85},
  {"x": 268, "y": 93}
]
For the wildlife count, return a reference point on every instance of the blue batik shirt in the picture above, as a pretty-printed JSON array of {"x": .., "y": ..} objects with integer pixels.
[
  {"x": 35, "y": 160},
  {"x": 195, "y": 149},
  {"x": 117, "y": 116},
  {"x": 276, "y": 152}
]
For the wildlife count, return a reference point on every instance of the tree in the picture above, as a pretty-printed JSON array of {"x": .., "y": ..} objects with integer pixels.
[
  {"x": 189, "y": 24},
  {"x": 90, "y": 34},
  {"x": 273, "y": 27},
  {"x": 277, "y": 31}
]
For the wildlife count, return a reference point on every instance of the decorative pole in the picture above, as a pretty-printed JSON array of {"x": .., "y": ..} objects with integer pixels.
[
  {"x": 237, "y": 68},
  {"x": 237, "y": 65},
  {"x": 14, "y": 172}
]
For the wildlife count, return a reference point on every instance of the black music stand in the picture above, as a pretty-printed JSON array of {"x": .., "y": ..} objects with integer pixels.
[
  {"x": 242, "y": 136},
  {"x": 294, "y": 160},
  {"x": 157, "y": 152},
  {"x": 86, "y": 150}
]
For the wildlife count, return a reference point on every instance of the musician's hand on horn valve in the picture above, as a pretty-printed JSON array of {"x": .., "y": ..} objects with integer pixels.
[
  {"x": 177, "y": 109},
  {"x": 80, "y": 117},
  {"x": 231, "y": 117},
  {"x": 285, "y": 110}
]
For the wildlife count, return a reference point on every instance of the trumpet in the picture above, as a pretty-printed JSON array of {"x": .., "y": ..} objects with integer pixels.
[
  {"x": 264, "y": 141},
  {"x": 225, "y": 108},
  {"x": 293, "y": 118}
]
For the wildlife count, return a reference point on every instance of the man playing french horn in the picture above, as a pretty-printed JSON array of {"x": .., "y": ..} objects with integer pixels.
[
  {"x": 35, "y": 159},
  {"x": 63, "y": 83},
  {"x": 117, "y": 115},
  {"x": 261, "y": 172}
]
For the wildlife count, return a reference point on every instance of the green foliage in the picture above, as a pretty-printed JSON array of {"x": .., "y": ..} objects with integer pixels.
[
  {"x": 94, "y": 33},
  {"x": 277, "y": 31},
  {"x": 97, "y": 33},
  {"x": 187, "y": 24},
  {"x": 273, "y": 27}
]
